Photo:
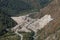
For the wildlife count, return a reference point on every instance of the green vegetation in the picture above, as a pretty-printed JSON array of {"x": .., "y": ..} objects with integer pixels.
[
  {"x": 5, "y": 22},
  {"x": 10, "y": 8},
  {"x": 44, "y": 3},
  {"x": 27, "y": 36},
  {"x": 13, "y": 7},
  {"x": 9, "y": 36},
  {"x": 16, "y": 7}
]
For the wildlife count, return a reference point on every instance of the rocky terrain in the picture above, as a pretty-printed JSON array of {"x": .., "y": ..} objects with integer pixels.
[
  {"x": 51, "y": 29},
  {"x": 19, "y": 26},
  {"x": 25, "y": 23}
]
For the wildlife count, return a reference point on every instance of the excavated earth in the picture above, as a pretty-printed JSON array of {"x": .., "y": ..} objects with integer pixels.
[{"x": 52, "y": 30}]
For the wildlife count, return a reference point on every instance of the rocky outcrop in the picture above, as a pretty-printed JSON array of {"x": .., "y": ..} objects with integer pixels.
[
  {"x": 54, "y": 10},
  {"x": 26, "y": 24}
]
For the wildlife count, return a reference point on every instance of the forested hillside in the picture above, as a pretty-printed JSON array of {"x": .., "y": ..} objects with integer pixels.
[
  {"x": 14, "y": 7},
  {"x": 5, "y": 22},
  {"x": 37, "y": 8}
]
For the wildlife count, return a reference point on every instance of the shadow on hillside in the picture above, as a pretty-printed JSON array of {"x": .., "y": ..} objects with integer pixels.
[
  {"x": 44, "y": 3},
  {"x": 13, "y": 7},
  {"x": 16, "y": 7},
  {"x": 5, "y": 23}
]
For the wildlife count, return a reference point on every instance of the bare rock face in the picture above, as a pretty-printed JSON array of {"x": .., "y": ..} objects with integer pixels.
[
  {"x": 48, "y": 32},
  {"x": 41, "y": 22},
  {"x": 26, "y": 24}
]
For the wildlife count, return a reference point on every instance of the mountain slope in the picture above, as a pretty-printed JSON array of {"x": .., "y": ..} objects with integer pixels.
[
  {"x": 54, "y": 10},
  {"x": 52, "y": 30}
]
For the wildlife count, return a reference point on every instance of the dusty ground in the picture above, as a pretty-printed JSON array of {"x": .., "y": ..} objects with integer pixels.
[{"x": 54, "y": 10}]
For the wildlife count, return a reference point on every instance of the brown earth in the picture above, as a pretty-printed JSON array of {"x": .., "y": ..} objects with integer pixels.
[{"x": 54, "y": 10}]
